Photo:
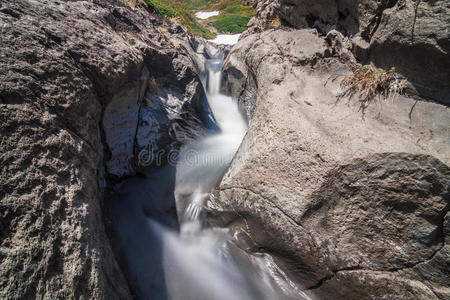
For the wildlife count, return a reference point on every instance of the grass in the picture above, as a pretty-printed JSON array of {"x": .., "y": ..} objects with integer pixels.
[
  {"x": 232, "y": 23},
  {"x": 181, "y": 14},
  {"x": 163, "y": 8},
  {"x": 367, "y": 83},
  {"x": 233, "y": 17},
  {"x": 196, "y": 5},
  {"x": 240, "y": 9}
]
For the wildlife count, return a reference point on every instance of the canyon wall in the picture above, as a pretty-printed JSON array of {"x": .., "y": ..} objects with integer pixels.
[
  {"x": 352, "y": 202},
  {"x": 85, "y": 86}
]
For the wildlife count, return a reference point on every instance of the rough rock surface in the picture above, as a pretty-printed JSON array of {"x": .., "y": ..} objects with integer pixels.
[
  {"x": 349, "y": 206},
  {"x": 411, "y": 35},
  {"x": 74, "y": 76}
]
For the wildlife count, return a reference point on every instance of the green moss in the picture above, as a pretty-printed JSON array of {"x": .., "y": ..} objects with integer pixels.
[{"x": 232, "y": 23}]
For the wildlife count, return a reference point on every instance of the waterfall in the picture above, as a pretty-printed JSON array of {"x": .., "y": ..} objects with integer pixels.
[
  {"x": 203, "y": 263},
  {"x": 203, "y": 162},
  {"x": 195, "y": 262}
]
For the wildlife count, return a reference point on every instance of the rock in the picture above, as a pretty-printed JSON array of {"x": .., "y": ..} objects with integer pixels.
[
  {"x": 273, "y": 45},
  {"x": 410, "y": 35},
  {"x": 252, "y": 3},
  {"x": 349, "y": 205},
  {"x": 339, "y": 45},
  {"x": 74, "y": 75},
  {"x": 413, "y": 37}
]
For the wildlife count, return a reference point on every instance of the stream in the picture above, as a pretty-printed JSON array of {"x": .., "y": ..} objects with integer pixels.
[{"x": 166, "y": 259}]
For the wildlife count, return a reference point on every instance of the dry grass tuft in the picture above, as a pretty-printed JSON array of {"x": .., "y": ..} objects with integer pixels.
[{"x": 367, "y": 83}]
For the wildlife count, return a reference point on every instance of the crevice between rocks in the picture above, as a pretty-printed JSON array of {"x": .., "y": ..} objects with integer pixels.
[
  {"x": 264, "y": 198},
  {"x": 414, "y": 20},
  {"x": 376, "y": 21},
  {"x": 329, "y": 277}
]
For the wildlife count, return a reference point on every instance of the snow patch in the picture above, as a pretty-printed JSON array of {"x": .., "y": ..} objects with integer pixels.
[{"x": 206, "y": 14}]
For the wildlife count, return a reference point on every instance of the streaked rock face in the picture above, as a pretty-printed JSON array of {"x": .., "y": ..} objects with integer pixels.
[{"x": 350, "y": 205}]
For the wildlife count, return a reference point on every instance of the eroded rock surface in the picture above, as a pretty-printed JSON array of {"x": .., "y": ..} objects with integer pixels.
[
  {"x": 351, "y": 205},
  {"x": 74, "y": 109},
  {"x": 410, "y": 35}
]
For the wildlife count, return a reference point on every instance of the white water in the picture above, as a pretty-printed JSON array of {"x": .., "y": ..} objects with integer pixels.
[
  {"x": 206, "y": 14},
  {"x": 198, "y": 262},
  {"x": 202, "y": 163},
  {"x": 226, "y": 39},
  {"x": 202, "y": 263}
]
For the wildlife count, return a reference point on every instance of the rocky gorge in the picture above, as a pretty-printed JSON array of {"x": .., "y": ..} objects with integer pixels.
[{"x": 350, "y": 199}]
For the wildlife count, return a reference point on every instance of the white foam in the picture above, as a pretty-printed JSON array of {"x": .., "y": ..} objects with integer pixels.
[
  {"x": 206, "y": 14},
  {"x": 226, "y": 39}
]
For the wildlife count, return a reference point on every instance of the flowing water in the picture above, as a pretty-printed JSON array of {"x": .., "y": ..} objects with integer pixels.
[{"x": 195, "y": 262}]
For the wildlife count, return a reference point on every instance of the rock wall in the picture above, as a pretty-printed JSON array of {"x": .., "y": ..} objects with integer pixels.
[
  {"x": 84, "y": 86},
  {"x": 351, "y": 205},
  {"x": 410, "y": 35}
]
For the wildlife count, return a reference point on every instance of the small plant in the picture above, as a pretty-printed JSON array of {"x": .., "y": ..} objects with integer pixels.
[{"x": 368, "y": 83}]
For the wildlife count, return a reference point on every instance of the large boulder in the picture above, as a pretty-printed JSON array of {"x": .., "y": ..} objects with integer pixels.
[
  {"x": 410, "y": 35},
  {"x": 350, "y": 204},
  {"x": 77, "y": 83}
]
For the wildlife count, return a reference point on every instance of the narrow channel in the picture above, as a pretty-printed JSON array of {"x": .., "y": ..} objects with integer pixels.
[{"x": 169, "y": 252}]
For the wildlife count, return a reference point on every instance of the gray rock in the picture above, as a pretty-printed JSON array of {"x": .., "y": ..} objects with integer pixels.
[
  {"x": 410, "y": 35},
  {"x": 73, "y": 79},
  {"x": 120, "y": 122},
  {"x": 349, "y": 207},
  {"x": 414, "y": 37}
]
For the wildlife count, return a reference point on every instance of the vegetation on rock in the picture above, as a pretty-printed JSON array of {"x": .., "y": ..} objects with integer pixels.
[{"x": 367, "y": 83}]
